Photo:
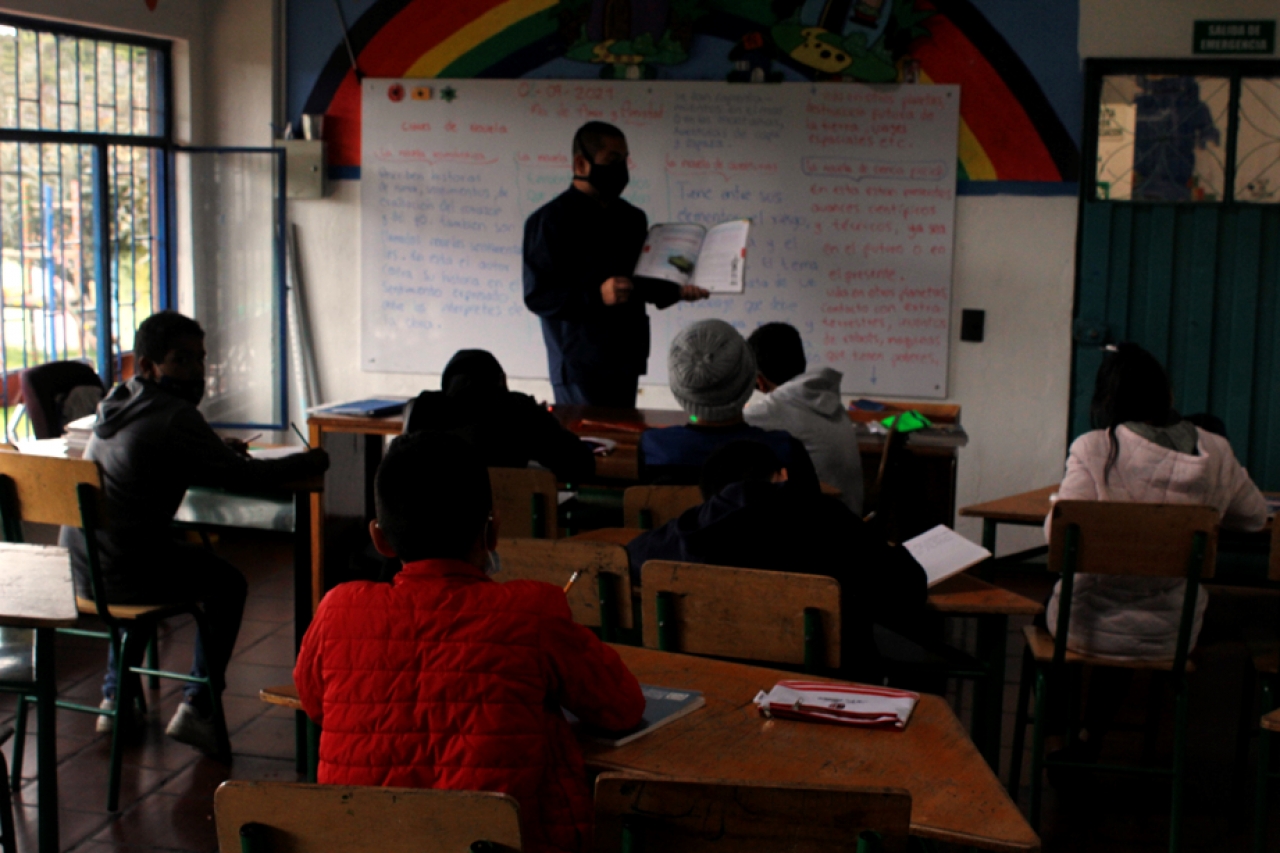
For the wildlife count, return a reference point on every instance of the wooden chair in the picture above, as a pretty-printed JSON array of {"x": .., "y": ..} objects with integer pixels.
[
  {"x": 1266, "y": 663},
  {"x": 647, "y": 507},
  {"x": 601, "y": 596},
  {"x": 637, "y": 813},
  {"x": 527, "y": 501},
  {"x": 747, "y": 614},
  {"x": 1119, "y": 539},
  {"x": 290, "y": 817},
  {"x": 67, "y": 492}
]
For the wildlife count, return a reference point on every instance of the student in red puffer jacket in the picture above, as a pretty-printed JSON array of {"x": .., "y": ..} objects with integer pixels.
[{"x": 445, "y": 679}]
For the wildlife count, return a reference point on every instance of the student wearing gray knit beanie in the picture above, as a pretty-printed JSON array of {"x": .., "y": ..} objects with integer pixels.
[
  {"x": 712, "y": 374},
  {"x": 712, "y": 370}
]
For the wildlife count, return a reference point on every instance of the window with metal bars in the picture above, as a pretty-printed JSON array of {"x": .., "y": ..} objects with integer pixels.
[{"x": 85, "y": 127}]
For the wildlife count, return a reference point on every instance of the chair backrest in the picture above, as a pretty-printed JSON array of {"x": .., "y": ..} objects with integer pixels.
[
  {"x": 1139, "y": 539},
  {"x": 45, "y": 487},
  {"x": 780, "y": 617},
  {"x": 685, "y": 816},
  {"x": 1133, "y": 540},
  {"x": 45, "y": 392},
  {"x": 526, "y": 501},
  {"x": 599, "y": 598},
  {"x": 647, "y": 507},
  {"x": 1273, "y": 568},
  {"x": 300, "y": 818}
]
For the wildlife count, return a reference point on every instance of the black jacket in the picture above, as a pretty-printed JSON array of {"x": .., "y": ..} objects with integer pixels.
[
  {"x": 508, "y": 428},
  {"x": 785, "y": 527},
  {"x": 572, "y": 245},
  {"x": 151, "y": 446}
]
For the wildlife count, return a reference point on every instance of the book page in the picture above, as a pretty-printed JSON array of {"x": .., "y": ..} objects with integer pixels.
[
  {"x": 722, "y": 266},
  {"x": 670, "y": 251},
  {"x": 944, "y": 553}
]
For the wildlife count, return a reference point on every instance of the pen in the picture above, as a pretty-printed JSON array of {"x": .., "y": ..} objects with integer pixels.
[
  {"x": 573, "y": 577},
  {"x": 252, "y": 439},
  {"x": 305, "y": 443}
]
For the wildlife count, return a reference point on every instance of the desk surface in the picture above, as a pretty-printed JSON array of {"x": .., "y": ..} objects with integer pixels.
[
  {"x": 955, "y": 796},
  {"x": 36, "y": 588},
  {"x": 1028, "y": 508},
  {"x": 1025, "y": 508}
]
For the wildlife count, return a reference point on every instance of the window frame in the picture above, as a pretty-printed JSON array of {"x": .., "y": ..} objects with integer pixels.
[
  {"x": 1095, "y": 70},
  {"x": 101, "y": 143}
]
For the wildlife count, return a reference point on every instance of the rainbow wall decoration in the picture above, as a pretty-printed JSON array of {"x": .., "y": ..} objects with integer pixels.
[{"x": 1010, "y": 132}]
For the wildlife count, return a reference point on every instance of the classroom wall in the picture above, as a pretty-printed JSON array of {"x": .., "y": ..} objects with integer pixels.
[{"x": 1163, "y": 28}]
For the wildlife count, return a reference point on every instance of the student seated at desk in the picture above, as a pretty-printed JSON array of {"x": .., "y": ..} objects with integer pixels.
[
  {"x": 152, "y": 443},
  {"x": 712, "y": 376},
  {"x": 509, "y": 429},
  {"x": 1142, "y": 450},
  {"x": 808, "y": 406},
  {"x": 756, "y": 517},
  {"x": 445, "y": 679}
]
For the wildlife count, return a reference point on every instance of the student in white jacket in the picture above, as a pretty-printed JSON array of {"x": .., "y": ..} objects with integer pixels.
[
  {"x": 1144, "y": 451},
  {"x": 808, "y": 406}
]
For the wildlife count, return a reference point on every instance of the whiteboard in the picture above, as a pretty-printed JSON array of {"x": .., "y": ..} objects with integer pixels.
[{"x": 850, "y": 189}]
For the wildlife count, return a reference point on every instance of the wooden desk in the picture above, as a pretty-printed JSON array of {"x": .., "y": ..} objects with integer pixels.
[
  {"x": 955, "y": 796},
  {"x": 961, "y": 596},
  {"x": 1029, "y": 509},
  {"x": 37, "y": 591}
]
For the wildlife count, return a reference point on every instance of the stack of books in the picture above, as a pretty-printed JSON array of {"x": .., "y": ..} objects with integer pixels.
[{"x": 77, "y": 435}]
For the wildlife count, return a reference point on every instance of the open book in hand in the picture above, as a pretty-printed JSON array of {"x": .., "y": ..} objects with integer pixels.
[
  {"x": 943, "y": 553},
  {"x": 688, "y": 253}
]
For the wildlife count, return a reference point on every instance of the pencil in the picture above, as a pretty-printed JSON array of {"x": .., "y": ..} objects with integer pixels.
[
  {"x": 572, "y": 578},
  {"x": 252, "y": 439},
  {"x": 305, "y": 442}
]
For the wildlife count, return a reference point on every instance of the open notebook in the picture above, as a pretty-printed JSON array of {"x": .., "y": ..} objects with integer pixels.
[{"x": 944, "y": 553}]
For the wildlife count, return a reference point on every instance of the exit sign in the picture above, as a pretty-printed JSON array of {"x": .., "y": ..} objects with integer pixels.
[{"x": 1250, "y": 37}]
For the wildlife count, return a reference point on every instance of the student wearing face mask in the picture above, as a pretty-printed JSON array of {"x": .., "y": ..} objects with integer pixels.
[
  {"x": 579, "y": 252},
  {"x": 443, "y": 678},
  {"x": 152, "y": 443}
]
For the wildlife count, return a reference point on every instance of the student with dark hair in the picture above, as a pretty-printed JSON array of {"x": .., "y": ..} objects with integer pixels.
[
  {"x": 580, "y": 249},
  {"x": 152, "y": 443},
  {"x": 1142, "y": 450},
  {"x": 806, "y": 405},
  {"x": 712, "y": 374},
  {"x": 755, "y": 517},
  {"x": 445, "y": 679},
  {"x": 509, "y": 429}
]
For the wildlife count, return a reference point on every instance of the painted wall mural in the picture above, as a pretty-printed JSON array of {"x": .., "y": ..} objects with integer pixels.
[{"x": 1018, "y": 69}]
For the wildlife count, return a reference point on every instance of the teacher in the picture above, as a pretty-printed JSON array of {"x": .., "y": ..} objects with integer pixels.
[{"x": 580, "y": 249}]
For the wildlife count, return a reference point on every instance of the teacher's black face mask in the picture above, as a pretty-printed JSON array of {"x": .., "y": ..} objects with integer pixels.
[{"x": 609, "y": 179}]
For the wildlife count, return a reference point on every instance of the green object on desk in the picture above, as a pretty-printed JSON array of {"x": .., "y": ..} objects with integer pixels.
[{"x": 907, "y": 421}]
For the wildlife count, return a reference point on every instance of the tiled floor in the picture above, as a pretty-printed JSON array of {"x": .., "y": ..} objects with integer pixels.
[{"x": 167, "y": 790}]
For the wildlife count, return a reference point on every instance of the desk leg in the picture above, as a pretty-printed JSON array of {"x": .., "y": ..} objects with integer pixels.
[
  {"x": 989, "y": 535},
  {"x": 988, "y": 698},
  {"x": 302, "y": 607},
  {"x": 316, "y": 580},
  {"x": 47, "y": 740}
]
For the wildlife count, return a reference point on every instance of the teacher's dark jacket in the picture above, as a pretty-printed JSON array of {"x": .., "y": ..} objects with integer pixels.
[{"x": 572, "y": 245}]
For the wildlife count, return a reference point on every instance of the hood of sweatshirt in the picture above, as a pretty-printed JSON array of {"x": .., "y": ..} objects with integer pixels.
[
  {"x": 130, "y": 402},
  {"x": 817, "y": 390}
]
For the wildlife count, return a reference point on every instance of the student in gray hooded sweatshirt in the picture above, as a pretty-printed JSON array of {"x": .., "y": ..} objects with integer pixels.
[
  {"x": 808, "y": 406},
  {"x": 152, "y": 443}
]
